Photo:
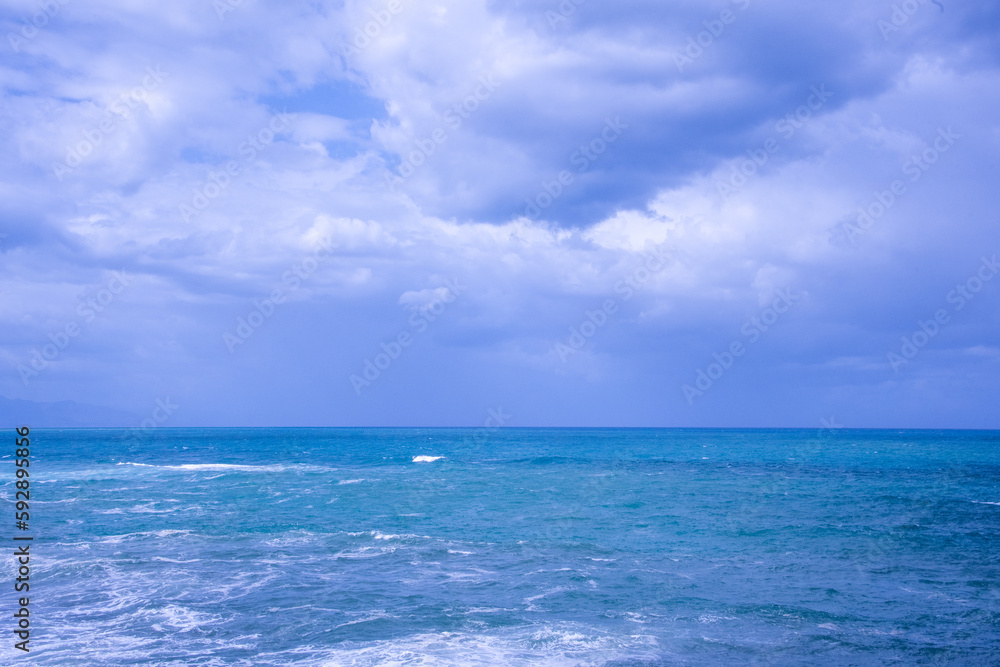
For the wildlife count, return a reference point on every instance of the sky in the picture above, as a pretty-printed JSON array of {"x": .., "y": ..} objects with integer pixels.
[{"x": 500, "y": 213}]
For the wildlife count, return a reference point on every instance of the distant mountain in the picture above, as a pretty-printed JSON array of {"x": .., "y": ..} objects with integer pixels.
[{"x": 16, "y": 412}]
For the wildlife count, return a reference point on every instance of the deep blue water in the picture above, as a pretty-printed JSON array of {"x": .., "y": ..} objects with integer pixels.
[{"x": 517, "y": 546}]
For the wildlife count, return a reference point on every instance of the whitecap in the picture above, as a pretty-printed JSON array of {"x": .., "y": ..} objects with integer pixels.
[
  {"x": 559, "y": 645},
  {"x": 364, "y": 552},
  {"x": 231, "y": 467},
  {"x": 530, "y": 601},
  {"x": 180, "y": 619},
  {"x": 426, "y": 459}
]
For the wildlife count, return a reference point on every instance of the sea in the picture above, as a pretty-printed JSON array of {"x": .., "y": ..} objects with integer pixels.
[{"x": 505, "y": 546}]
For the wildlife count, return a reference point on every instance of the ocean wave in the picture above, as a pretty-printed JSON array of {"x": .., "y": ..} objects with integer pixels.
[
  {"x": 117, "y": 539},
  {"x": 364, "y": 552},
  {"x": 147, "y": 509},
  {"x": 296, "y": 539},
  {"x": 530, "y": 601},
  {"x": 179, "y": 619},
  {"x": 485, "y": 610},
  {"x": 426, "y": 459},
  {"x": 232, "y": 467},
  {"x": 242, "y": 585},
  {"x": 379, "y": 535},
  {"x": 560, "y": 645},
  {"x": 51, "y": 502}
]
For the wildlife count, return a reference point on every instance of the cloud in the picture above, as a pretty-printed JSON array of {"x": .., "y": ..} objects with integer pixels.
[{"x": 539, "y": 161}]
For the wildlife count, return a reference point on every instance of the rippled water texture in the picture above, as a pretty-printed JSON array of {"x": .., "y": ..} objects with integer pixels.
[{"x": 532, "y": 546}]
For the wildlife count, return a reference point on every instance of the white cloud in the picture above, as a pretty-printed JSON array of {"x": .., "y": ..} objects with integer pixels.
[{"x": 460, "y": 212}]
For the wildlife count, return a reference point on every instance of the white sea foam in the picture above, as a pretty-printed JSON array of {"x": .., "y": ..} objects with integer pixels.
[
  {"x": 169, "y": 533},
  {"x": 350, "y": 481},
  {"x": 241, "y": 585},
  {"x": 984, "y": 502},
  {"x": 147, "y": 509},
  {"x": 364, "y": 552},
  {"x": 181, "y": 619},
  {"x": 426, "y": 459},
  {"x": 116, "y": 539},
  {"x": 530, "y": 601},
  {"x": 230, "y": 467},
  {"x": 475, "y": 575},
  {"x": 560, "y": 645},
  {"x": 379, "y": 535},
  {"x": 712, "y": 618},
  {"x": 207, "y": 466}
]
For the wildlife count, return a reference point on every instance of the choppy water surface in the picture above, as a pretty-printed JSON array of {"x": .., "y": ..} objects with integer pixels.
[{"x": 520, "y": 546}]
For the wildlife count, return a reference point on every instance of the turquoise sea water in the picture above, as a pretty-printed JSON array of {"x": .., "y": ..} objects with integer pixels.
[{"x": 511, "y": 546}]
